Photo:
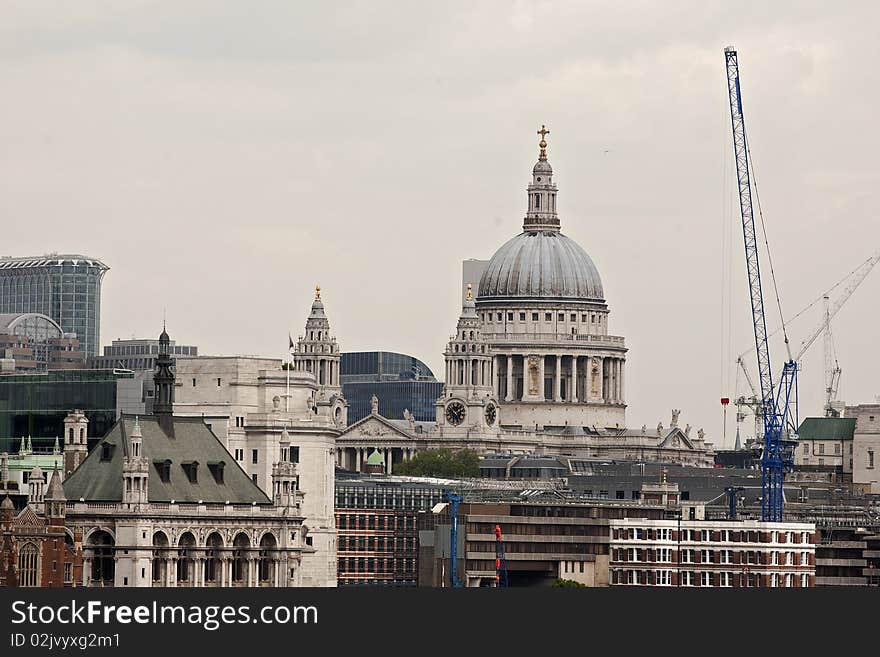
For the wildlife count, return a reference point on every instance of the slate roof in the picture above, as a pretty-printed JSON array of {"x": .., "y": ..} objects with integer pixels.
[
  {"x": 827, "y": 428},
  {"x": 99, "y": 480}
]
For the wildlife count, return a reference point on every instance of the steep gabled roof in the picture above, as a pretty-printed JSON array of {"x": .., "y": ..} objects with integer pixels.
[{"x": 99, "y": 477}]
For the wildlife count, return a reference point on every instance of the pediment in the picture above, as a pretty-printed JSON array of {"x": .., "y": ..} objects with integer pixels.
[
  {"x": 676, "y": 439},
  {"x": 374, "y": 426}
]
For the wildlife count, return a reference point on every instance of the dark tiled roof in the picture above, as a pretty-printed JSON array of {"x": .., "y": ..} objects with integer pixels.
[
  {"x": 97, "y": 480},
  {"x": 827, "y": 428}
]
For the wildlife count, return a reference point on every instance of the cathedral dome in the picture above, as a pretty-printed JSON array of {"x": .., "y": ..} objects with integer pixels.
[{"x": 541, "y": 266}]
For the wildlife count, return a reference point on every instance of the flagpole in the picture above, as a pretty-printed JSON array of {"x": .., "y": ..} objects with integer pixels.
[{"x": 289, "y": 365}]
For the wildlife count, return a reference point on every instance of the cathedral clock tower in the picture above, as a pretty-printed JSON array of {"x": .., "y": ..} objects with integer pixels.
[{"x": 468, "y": 405}]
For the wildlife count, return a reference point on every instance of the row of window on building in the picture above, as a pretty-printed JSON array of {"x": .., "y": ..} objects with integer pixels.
[
  {"x": 704, "y": 578},
  {"x": 709, "y": 535},
  {"x": 669, "y": 555},
  {"x": 353, "y": 521},
  {"x": 377, "y": 543},
  {"x": 592, "y": 318}
]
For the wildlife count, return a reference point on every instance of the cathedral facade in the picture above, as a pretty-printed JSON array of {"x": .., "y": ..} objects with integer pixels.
[{"x": 533, "y": 365}]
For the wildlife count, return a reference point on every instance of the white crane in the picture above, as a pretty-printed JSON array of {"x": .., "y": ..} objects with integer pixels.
[{"x": 855, "y": 278}]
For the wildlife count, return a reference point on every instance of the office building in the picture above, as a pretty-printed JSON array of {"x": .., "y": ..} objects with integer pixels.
[
  {"x": 66, "y": 288},
  {"x": 400, "y": 382}
]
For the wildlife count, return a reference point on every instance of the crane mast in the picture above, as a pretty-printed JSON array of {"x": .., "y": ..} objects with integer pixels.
[{"x": 774, "y": 404}]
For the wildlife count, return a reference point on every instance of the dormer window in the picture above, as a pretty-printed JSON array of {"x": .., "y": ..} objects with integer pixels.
[
  {"x": 163, "y": 469},
  {"x": 107, "y": 451},
  {"x": 192, "y": 471},
  {"x": 217, "y": 471}
]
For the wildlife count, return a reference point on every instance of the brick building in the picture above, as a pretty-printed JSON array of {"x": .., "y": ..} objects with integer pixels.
[{"x": 36, "y": 548}]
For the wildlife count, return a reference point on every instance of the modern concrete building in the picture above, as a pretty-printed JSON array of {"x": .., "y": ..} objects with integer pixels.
[
  {"x": 712, "y": 553},
  {"x": 65, "y": 287},
  {"x": 35, "y": 342},
  {"x": 137, "y": 354}
]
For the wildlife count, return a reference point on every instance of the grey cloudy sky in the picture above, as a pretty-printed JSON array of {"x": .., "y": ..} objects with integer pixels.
[{"x": 223, "y": 157}]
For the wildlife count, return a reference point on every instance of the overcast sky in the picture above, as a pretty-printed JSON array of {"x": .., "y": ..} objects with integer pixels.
[{"x": 224, "y": 157}]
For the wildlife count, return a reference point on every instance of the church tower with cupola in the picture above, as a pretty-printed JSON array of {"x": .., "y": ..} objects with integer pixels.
[{"x": 468, "y": 403}]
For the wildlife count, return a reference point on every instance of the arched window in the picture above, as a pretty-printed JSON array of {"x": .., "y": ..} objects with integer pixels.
[
  {"x": 537, "y": 201},
  {"x": 267, "y": 561},
  {"x": 160, "y": 554},
  {"x": 239, "y": 555},
  {"x": 185, "y": 548},
  {"x": 103, "y": 558},
  {"x": 70, "y": 435},
  {"x": 82, "y": 436},
  {"x": 212, "y": 560},
  {"x": 28, "y": 562}
]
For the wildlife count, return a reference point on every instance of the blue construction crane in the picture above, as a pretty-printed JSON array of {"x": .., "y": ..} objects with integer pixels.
[
  {"x": 778, "y": 407},
  {"x": 454, "y": 501}
]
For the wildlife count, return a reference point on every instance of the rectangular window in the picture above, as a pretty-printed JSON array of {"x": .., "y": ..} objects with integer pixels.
[
  {"x": 705, "y": 579},
  {"x": 239, "y": 455},
  {"x": 837, "y": 448},
  {"x": 821, "y": 448},
  {"x": 522, "y": 317},
  {"x": 561, "y": 317},
  {"x": 707, "y": 556},
  {"x": 509, "y": 317},
  {"x": 548, "y": 317},
  {"x": 806, "y": 448},
  {"x": 664, "y": 555},
  {"x": 255, "y": 456},
  {"x": 534, "y": 317},
  {"x": 574, "y": 317},
  {"x": 870, "y": 458},
  {"x": 218, "y": 383},
  {"x": 500, "y": 316},
  {"x": 194, "y": 383},
  {"x": 254, "y": 478}
]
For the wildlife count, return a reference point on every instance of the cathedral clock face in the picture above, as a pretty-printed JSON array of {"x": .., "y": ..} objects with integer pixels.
[
  {"x": 491, "y": 414},
  {"x": 455, "y": 413}
]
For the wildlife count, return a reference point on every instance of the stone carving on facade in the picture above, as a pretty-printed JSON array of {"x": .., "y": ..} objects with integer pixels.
[
  {"x": 687, "y": 430},
  {"x": 675, "y": 413},
  {"x": 533, "y": 375},
  {"x": 374, "y": 405},
  {"x": 659, "y": 428},
  {"x": 644, "y": 429},
  {"x": 595, "y": 378},
  {"x": 276, "y": 403},
  {"x": 701, "y": 433}
]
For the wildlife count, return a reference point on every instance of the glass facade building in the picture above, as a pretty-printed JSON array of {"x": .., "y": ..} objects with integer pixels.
[
  {"x": 66, "y": 288},
  {"x": 35, "y": 405},
  {"x": 398, "y": 380}
]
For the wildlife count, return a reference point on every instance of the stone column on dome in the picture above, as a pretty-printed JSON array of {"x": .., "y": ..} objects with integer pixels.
[
  {"x": 574, "y": 379},
  {"x": 616, "y": 380},
  {"x": 541, "y": 364},
  {"x": 622, "y": 389},
  {"x": 557, "y": 380},
  {"x": 509, "y": 394}
]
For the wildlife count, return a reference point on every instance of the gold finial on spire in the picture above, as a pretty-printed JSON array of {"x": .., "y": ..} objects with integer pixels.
[
  {"x": 543, "y": 143},
  {"x": 470, "y": 295},
  {"x": 317, "y": 293}
]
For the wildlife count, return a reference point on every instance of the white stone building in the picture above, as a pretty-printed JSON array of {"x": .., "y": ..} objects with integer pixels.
[
  {"x": 161, "y": 502},
  {"x": 254, "y": 404},
  {"x": 533, "y": 365}
]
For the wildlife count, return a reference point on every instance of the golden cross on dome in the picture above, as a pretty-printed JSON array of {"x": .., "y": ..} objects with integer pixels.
[
  {"x": 543, "y": 143},
  {"x": 317, "y": 293}
]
